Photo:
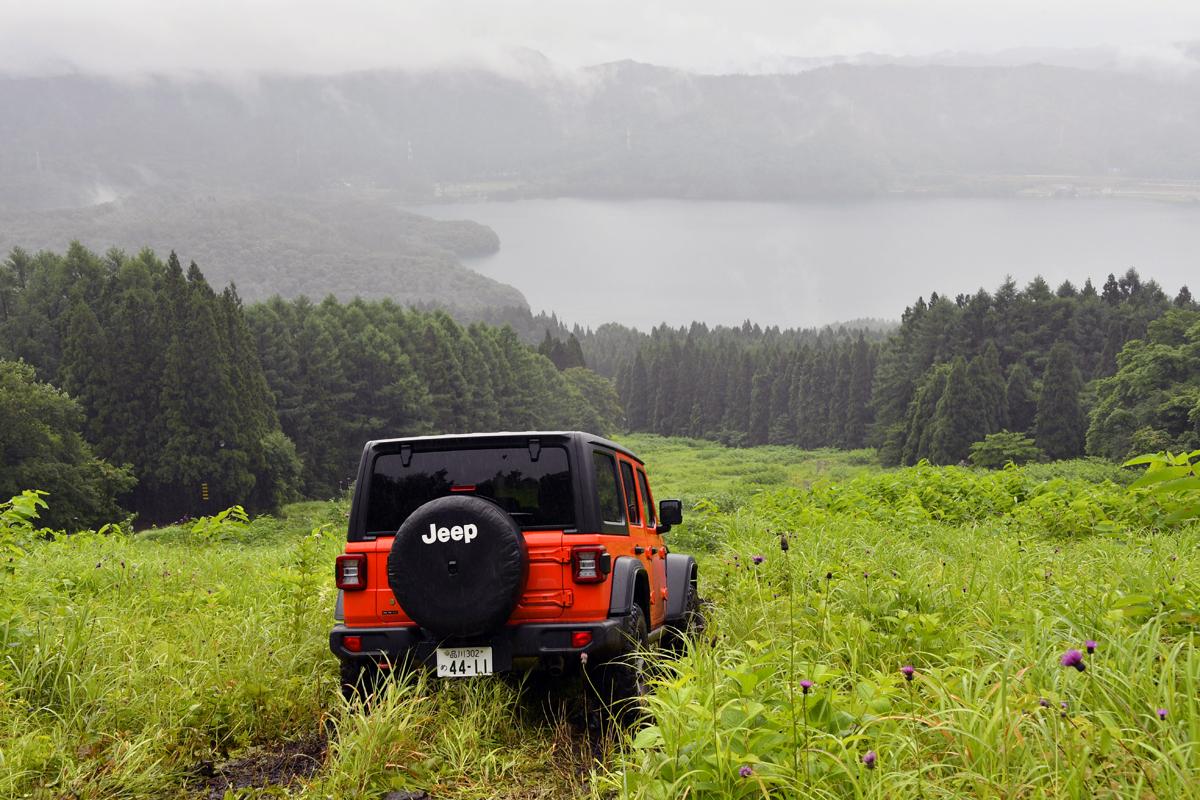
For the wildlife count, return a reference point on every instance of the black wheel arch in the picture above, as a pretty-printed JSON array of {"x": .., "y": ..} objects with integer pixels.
[
  {"x": 681, "y": 570},
  {"x": 630, "y": 587}
]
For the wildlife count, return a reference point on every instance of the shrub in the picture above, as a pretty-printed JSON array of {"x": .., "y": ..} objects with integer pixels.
[{"x": 1004, "y": 447}]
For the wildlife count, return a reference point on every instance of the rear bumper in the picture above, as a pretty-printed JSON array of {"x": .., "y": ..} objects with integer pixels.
[{"x": 515, "y": 647}]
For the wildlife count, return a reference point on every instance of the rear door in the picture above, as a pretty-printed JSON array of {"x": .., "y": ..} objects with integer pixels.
[
  {"x": 533, "y": 486},
  {"x": 650, "y": 517},
  {"x": 644, "y": 541}
]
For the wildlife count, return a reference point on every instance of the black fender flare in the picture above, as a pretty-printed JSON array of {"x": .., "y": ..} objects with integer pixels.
[
  {"x": 625, "y": 573},
  {"x": 681, "y": 569}
]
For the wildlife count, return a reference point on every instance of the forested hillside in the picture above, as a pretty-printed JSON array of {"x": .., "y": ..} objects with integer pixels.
[
  {"x": 620, "y": 129},
  {"x": 345, "y": 373},
  {"x": 348, "y": 244},
  {"x": 956, "y": 370},
  {"x": 179, "y": 400},
  {"x": 743, "y": 386},
  {"x": 206, "y": 404}
]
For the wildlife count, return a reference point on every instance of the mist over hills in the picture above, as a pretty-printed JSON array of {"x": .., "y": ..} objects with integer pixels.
[
  {"x": 620, "y": 129},
  {"x": 292, "y": 184},
  {"x": 290, "y": 245}
]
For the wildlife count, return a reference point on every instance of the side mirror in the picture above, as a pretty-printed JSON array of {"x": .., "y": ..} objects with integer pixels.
[{"x": 670, "y": 513}]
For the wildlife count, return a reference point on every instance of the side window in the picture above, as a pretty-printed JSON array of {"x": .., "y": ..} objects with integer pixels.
[
  {"x": 607, "y": 491},
  {"x": 647, "y": 500},
  {"x": 631, "y": 497}
]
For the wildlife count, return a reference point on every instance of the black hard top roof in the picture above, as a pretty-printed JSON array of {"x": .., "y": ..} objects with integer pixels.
[{"x": 483, "y": 438}]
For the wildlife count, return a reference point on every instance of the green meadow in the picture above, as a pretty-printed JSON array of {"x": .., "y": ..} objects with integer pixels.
[{"x": 170, "y": 662}]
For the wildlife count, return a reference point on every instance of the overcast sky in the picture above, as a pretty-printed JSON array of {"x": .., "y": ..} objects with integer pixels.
[{"x": 133, "y": 36}]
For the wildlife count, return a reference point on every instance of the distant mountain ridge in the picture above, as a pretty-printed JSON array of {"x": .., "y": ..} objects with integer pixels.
[
  {"x": 623, "y": 129},
  {"x": 359, "y": 246}
]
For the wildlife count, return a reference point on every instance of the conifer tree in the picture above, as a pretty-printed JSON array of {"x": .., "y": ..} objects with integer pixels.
[
  {"x": 858, "y": 416},
  {"x": 1021, "y": 398},
  {"x": 989, "y": 378},
  {"x": 1060, "y": 424},
  {"x": 958, "y": 420}
]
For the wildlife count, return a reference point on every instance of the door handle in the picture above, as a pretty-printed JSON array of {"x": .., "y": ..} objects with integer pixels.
[
  {"x": 653, "y": 551},
  {"x": 639, "y": 549}
]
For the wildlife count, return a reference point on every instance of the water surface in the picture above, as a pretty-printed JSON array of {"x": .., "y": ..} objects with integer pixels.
[{"x": 647, "y": 261}]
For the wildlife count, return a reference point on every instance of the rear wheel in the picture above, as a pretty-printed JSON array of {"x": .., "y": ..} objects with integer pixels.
[
  {"x": 621, "y": 680},
  {"x": 688, "y": 627}
]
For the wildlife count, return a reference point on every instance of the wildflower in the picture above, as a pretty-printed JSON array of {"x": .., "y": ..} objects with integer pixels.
[
  {"x": 758, "y": 560},
  {"x": 1044, "y": 703},
  {"x": 1090, "y": 644},
  {"x": 1073, "y": 658},
  {"x": 868, "y": 759},
  {"x": 745, "y": 771},
  {"x": 1064, "y": 708},
  {"x": 907, "y": 671},
  {"x": 806, "y": 686},
  {"x": 783, "y": 542},
  {"x": 828, "y": 576},
  {"x": 1162, "y": 713}
]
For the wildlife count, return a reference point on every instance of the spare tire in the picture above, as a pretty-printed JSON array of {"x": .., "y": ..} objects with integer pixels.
[{"x": 457, "y": 566}]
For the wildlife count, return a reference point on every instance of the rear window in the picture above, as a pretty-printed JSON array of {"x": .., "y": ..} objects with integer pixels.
[
  {"x": 536, "y": 493},
  {"x": 607, "y": 491}
]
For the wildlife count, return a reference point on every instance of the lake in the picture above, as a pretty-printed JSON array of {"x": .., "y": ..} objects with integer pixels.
[{"x": 642, "y": 262}]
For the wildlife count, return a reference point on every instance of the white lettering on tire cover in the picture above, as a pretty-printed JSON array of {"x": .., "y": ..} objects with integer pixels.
[{"x": 457, "y": 533}]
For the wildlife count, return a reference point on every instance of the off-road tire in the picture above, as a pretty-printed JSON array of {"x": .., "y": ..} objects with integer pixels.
[
  {"x": 688, "y": 627},
  {"x": 458, "y": 588},
  {"x": 621, "y": 681}
]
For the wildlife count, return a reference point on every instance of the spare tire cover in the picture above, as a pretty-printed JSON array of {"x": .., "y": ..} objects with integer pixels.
[{"x": 457, "y": 566}]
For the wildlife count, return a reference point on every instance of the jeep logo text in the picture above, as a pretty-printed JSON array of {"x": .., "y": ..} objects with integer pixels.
[{"x": 458, "y": 533}]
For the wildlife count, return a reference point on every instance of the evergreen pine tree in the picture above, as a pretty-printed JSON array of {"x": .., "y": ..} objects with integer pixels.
[
  {"x": 989, "y": 378},
  {"x": 1060, "y": 425},
  {"x": 958, "y": 420},
  {"x": 858, "y": 413},
  {"x": 1021, "y": 398}
]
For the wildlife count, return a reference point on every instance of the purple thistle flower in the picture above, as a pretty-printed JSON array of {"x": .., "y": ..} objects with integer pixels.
[
  {"x": 806, "y": 686},
  {"x": 1162, "y": 713},
  {"x": 1073, "y": 658},
  {"x": 868, "y": 759},
  {"x": 745, "y": 771},
  {"x": 907, "y": 671},
  {"x": 1090, "y": 644},
  {"x": 758, "y": 560},
  {"x": 1064, "y": 708},
  {"x": 1044, "y": 703},
  {"x": 783, "y": 542}
]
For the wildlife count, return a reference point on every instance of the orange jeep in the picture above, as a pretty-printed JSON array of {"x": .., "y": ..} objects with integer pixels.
[{"x": 489, "y": 553}]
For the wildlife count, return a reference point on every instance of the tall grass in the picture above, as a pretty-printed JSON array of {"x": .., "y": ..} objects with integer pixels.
[{"x": 126, "y": 661}]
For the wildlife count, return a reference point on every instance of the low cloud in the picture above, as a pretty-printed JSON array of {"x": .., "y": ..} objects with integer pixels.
[{"x": 133, "y": 37}]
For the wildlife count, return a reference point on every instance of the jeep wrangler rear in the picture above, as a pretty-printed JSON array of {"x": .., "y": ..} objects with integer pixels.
[{"x": 488, "y": 553}]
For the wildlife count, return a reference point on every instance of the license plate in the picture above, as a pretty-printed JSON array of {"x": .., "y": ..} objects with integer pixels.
[{"x": 463, "y": 662}]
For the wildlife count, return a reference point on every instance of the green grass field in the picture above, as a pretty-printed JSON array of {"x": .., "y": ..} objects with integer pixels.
[{"x": 149, "y": 665}]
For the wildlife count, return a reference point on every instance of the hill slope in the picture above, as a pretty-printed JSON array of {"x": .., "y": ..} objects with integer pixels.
[
  {"x": 288, "y": 245},
  {"x": 624, "y": 129}
]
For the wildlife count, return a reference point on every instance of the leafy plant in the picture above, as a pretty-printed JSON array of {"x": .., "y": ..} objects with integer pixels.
[
  {"x": 1174, "y": 478},
  {"x": 18, "y": 516},
  {"x": 223, "y": 526},
  {"x": 1004, "y": 447}
]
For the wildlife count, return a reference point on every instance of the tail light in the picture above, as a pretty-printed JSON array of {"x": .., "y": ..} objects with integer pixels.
[
  {"x": 590, "y": 563},
  {"x": 352, "y": 643},
  {"x": 351, "y": 572}
]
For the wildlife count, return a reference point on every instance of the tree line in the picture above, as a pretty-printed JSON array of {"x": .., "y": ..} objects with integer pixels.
[
  {"x": 748, "y": 385},
  {"x": 130, "y": 377},
  {"x": 1030, "y": 363},
  {"x": 142, "y": 372}
]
